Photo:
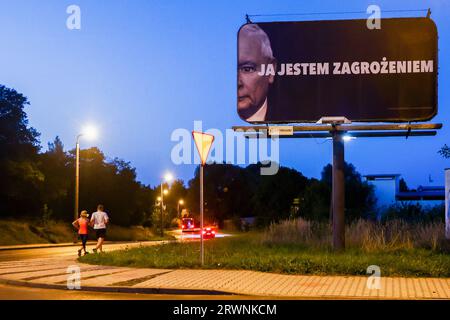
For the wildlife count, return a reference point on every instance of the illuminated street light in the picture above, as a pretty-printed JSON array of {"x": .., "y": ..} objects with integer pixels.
[
  {"x": 347, "y": 138},
  {"x": 168, "y": 177},
  {"x": 89, "y": 132}
]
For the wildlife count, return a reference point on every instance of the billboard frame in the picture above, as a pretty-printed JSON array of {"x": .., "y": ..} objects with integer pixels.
[{"x": 387, "y": 120}]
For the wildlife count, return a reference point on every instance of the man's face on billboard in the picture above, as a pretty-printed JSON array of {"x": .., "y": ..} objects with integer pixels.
[{"x": 252, "y": 88}]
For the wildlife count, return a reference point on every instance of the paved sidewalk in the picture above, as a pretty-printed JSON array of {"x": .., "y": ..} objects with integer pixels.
[
  {"x": 90, "y": 243},
  {"x": 53, "y": 273},
  {"x": 44, "y": 245}
]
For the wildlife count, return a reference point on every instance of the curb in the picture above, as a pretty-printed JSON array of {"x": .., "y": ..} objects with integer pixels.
[
  {"x": 43, "y": 246},
  {"x": 172, "y": 291},
  {"x": 51, "y": 245}
]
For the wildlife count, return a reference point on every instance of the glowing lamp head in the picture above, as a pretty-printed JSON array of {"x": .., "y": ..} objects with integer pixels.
[
  {"x": 347, "y": 138},
  {"x": 165, "y": 191},
  {"x": 181, "y": 202},
  {"x": 168, "y": 177},
  {"x": 89, "y": 132}
]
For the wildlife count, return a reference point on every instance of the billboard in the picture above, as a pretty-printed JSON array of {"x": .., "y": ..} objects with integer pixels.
[{"x": 302, "y": 71}]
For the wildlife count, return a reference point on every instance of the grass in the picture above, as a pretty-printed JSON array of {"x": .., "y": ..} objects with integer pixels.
[
  {"x": 16, "y": 232},
  {"x": 301, "y": 247}
]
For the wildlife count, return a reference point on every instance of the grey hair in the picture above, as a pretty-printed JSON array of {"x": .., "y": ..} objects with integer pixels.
[{"x": 255, "y": 31}]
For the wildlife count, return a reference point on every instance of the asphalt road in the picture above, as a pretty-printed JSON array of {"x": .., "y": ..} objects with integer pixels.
[
  {"x": 64, "y": 252},
  {"x": 53, "y": 252},
  {"x": 24, "y": 293},
  {"x": 8, "y": 292}
]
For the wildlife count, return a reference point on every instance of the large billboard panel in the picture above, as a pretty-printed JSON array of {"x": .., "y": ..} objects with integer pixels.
[{"x": 302, "y": 71}]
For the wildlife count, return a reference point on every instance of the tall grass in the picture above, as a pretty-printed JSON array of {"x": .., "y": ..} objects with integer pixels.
[
  {"x": 363, "y": 234},
  {"x": 301, "y": 247},
  {"x": 14, "y": 232}
]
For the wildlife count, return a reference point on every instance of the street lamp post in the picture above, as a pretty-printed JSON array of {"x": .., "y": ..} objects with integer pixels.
[
  {"x": 162, "y": 209},
  {"x": 77, "y": 176},
  {"x": 90, "y": 133},
  {"x": 180, "y": 202},
  {"x": 168, "y": 177}
]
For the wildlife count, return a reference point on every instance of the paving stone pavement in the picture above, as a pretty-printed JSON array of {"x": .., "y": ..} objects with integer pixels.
[{"x": 54, "y": 273}]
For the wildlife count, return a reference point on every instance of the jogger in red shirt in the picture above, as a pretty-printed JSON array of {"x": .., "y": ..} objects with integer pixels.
[{"x": 81, "y": 225}]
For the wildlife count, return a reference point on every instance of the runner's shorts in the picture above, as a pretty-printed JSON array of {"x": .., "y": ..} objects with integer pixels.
[{"x": 101, "y": 233}]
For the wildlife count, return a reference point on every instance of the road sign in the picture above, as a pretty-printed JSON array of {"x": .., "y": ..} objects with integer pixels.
[{"x": 203, "y": 142}]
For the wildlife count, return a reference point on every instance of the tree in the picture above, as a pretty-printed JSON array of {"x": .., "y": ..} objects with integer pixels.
[
  {"x": 19, "y": 174},
  {"x": 445, "y": 151},
  {"x": 112, "y": 183},
  {"x": 315, "y": 201},
  {"x": 359, "y": 195},
  {"x": 227, "y": 192},
  {"x": 58, "y": 179},
  {"x": 274, "y": 194}
]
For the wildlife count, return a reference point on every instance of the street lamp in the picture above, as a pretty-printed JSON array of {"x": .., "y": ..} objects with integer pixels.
[
  {"x": 168, "y": 177},
  {"x": 180, "y": 202},
  {"x": 347, "y": 138},
  {"x": 90, "y": 133}
]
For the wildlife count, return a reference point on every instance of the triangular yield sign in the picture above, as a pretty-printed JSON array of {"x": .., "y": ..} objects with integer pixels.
[{"x": 203, "y": 142}]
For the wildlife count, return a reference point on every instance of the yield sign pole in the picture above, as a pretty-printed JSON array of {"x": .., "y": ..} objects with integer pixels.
[
  {"x": 203, "y": 142},
  {"x": 202, "y": 250}
]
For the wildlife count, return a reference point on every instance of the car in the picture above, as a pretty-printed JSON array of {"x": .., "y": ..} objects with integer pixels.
[
  {"x": 187, "y": 225},
  {"x": 208, "y": 233}
]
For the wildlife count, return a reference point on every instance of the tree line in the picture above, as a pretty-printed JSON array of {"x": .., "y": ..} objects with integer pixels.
[{"x": 41, "y": 184}]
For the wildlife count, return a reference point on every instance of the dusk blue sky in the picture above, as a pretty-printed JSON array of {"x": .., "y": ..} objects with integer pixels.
[{"x": 140, "y": 69}]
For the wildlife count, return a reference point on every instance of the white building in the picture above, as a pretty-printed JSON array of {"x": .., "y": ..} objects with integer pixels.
[{"x": 387, "y": 191}]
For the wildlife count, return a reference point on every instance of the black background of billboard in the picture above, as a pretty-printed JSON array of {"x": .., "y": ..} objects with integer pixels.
[{"x": 357, "y": 97}]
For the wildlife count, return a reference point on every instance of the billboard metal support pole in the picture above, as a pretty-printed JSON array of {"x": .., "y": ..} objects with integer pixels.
[
  {"x": 337, "y": 131},
  {"x": 338, "y": 192},
  {"x": 202, "y": 253}
]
